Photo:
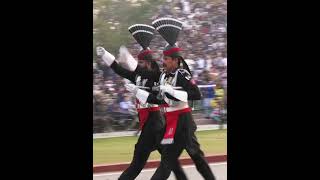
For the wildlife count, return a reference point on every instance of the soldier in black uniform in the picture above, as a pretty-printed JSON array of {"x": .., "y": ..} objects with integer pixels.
[
  {"x": 176, "y": 88},
  {"x": 144, "y": 74}
]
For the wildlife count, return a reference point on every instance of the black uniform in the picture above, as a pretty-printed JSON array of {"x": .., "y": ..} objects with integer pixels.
[
  {"x": 184, "y": 137},
  {"x": 180, "y": 126},
  {"x": 153, "y": 128}
]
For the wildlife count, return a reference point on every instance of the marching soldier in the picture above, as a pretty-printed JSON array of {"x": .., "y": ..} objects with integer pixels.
[{"x": 176, "y": 88}]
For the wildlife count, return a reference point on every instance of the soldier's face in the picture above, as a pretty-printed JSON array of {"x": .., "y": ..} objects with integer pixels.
[
  {"x": 169, "y": 64},
  {"x": 142, "y": 63}
]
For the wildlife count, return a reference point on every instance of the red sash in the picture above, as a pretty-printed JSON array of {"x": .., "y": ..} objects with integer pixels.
[
  {"x": 171, "y": 125},
  {"x": 144, "y": 114}
]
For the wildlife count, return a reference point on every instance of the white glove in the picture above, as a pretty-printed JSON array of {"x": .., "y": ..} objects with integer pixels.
[
  {"x": 178, "y": 94},
  {"x": 126, "y": 59},
  {"x": 100, "y": 51},
  {"x": 131, "y": 88},
  {"x": 105, "y": 55},
  {"x": 167, "y": 89}
]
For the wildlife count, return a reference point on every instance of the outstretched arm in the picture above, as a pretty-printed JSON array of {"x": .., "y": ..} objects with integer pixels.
[{"x": 109, "y": 60}]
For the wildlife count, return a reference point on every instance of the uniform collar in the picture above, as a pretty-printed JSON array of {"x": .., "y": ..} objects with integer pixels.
[{"x": 172, "y": 73}]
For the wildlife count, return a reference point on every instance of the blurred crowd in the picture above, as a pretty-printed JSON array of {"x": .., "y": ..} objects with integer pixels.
[{"x": 204, "y": 43}]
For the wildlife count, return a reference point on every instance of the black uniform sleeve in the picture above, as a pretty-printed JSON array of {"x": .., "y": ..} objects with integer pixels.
[
  {"x": 123, "y": 72},
  {"x": 185, "y": 80},
  {"x": 146, "y": 74}
]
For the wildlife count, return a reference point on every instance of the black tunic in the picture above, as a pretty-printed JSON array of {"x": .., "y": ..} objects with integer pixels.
[{"x": 185, "y": 81}]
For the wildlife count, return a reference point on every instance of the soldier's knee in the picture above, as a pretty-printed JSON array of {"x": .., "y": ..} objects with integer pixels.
[
  {"x": 194, "y": 152},
  {"x": 139, "y": 147}
]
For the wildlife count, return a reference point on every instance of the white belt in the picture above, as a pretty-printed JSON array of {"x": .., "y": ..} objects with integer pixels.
[{"x": 139, "y": 106}]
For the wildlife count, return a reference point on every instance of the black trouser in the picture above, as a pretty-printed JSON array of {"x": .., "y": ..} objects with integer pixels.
[
  {"x": 149, "y": 140},
  {"x": 183, "y": 139}
]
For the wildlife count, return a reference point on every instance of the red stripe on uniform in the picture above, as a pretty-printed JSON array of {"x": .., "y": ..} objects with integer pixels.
[
  {"x": 172, "y": 121},
  {"x": 144, "y": 114}
]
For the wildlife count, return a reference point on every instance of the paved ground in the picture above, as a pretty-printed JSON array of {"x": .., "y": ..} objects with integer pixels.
[{"x": 219, "y": 169}]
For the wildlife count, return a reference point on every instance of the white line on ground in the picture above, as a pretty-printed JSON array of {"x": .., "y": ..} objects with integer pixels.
[{"x": 133, "y": 133}]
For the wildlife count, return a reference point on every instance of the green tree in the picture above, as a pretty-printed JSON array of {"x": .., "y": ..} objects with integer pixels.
[{"x": 110, "y": 24}]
